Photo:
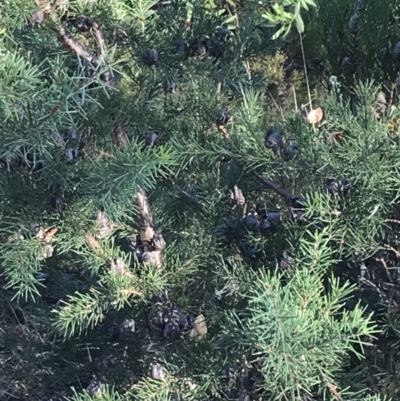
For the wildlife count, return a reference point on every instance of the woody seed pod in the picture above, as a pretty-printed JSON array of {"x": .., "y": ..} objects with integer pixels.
[
  {"x": 82, "y": 23},
  {"x": 223, "y": 116},
  {"x": 172, "y": 331},
  {"x": 273, "y": 140},
  {"x": 150, "y": 56},
  {"x": 169, "y": 86}
]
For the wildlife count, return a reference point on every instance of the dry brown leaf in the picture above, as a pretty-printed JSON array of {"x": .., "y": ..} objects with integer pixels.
[
  {"x": 50, "y": 233},
  {"x": 93, "y": 243},
  {"x": 199, "y": 327},
  {"x": 106, "y": 154},
  {"x": 224, "y": 131},
  {"x": 131, "y": 291},
  {"x": 315, "y": 116}
]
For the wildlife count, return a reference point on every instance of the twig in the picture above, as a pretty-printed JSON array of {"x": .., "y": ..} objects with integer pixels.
[
  {"x": 383, "y": 262},
  {"x": 276, "y": 105},
  {"x": 282, "y": 192},
  {"x": 150, "y": 237},
  {"x": 75, "y": 47},
  {"x": 390, "y": 248}
]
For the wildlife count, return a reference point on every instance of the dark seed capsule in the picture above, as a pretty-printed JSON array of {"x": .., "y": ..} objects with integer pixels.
[
  {"x": 251, "y": 222},
  {"x": 273, "y": 140},
  {"x": 150, "y": 56},
  {"x": 228, "y": 373},
  {"x": 70, "y": 155},
  {"x": 129, "y": 326},
  {"x": 248, "y": 250},
  {"x": 82, "y": 23},
  {"x": 172, "y": 331},
  {"x": 274, "y": 217},
  {"x": 156, "y": 319},
  {"x": 202, "y": 48},
  {"x": 265, "y": 225},
  {"x": 186, "y": 323},
  {"x": 261, "y": 209},
  {"x": 339, "y": 187},
  {"x": 172, "y": 314},
  {"x": 223, "y": 116},
  {"x": 151, "y": 139},
  {"x": 289, "y": 151},
  {"x": 361, "y": 5},
  {"x": 223, "y": 34},
  {"x": 169, "y": 86},
  {"x": 354, "y": 23},
  {"x": 68, "y": 134},
  {"x": 95, "y": 388},
  {"x": 160, "y": 297}
]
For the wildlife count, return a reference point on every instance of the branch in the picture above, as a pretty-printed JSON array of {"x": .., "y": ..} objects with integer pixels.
[
  {"x": 282, "y": 192},
  {"x": 75, "y": 47},
  {"x": 150, "y": 237}
]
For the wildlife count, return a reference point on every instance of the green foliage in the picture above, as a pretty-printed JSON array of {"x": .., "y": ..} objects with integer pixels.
[{"x": 322, "y": 327}]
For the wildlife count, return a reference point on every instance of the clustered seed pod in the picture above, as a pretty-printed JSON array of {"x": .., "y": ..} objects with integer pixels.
[
  {"x": 110, "y": 361},
  {"x": 169, "y": 321},
  {"x": 259, "y": 221},
  {"x": 150, "y": 56},
  {"x": 339, "y": 187},
  {"x": 274, "y": 141},
  {"x": 255, "y": 221}
]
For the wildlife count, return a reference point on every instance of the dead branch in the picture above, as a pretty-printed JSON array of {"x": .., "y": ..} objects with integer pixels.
[
  {"x": 150, "y": 237},
  {"x": 75, "y": 47},
  {"x": 282, "y": 192}
]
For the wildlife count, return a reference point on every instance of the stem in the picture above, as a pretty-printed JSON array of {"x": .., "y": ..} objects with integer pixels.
[{"x": 305, "y": 70}]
